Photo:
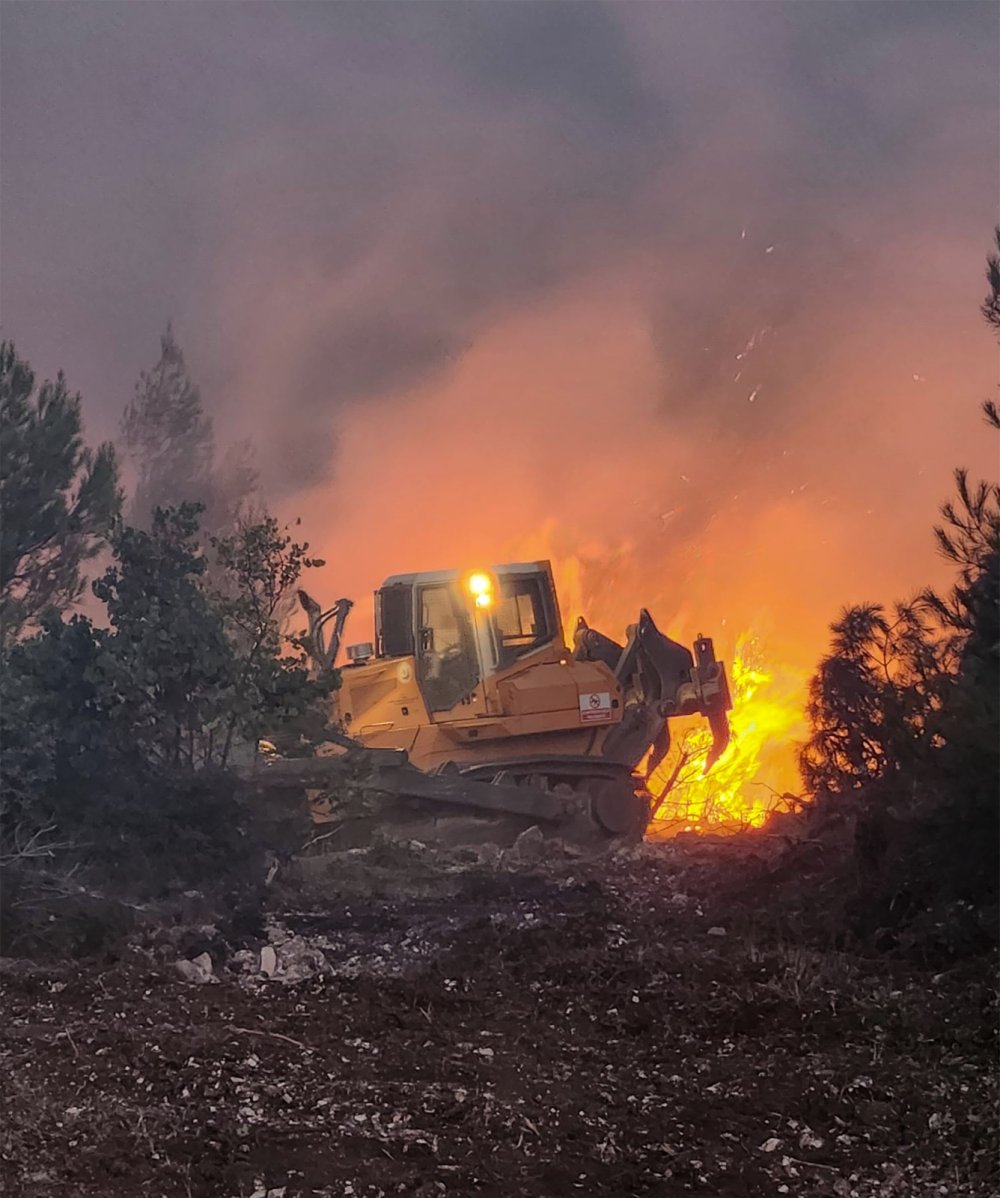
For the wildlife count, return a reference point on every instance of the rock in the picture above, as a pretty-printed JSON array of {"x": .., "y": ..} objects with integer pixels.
[
  {"x": 770, "y": 1145},
  {"x": 528, "y": 846},
  {"x": 193, "y": 973},
  {"x": 572, "y": 852},
  {"x": 299, "y": 960},
  {"x": 268, "y": 960},
  {"x": 203, "y": 961},
  {"x": 716, "y": 931}
]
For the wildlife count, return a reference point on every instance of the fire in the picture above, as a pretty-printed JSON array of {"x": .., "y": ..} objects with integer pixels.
[{"x": 759, "y": 766}]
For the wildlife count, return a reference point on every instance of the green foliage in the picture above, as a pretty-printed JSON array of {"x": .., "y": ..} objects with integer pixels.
[
  {"x": 168, "y": 639},
  {"x": 60, "y": 692},
  {"x": 257, "y": 569},
  {"x": 116, "y": 738},
  {"x": 58, "y": 498},
  {"x": 98, "y": 781}
]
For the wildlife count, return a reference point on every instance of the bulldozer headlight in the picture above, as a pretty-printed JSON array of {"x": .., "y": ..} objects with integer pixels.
[{"x": 481, "y": 588}]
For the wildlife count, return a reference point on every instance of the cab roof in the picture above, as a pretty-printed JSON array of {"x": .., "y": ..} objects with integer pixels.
[{"x": 430, "y": 576}]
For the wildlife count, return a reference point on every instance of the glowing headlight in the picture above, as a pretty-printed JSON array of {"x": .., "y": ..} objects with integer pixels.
[{"x": 481, "y": 587}]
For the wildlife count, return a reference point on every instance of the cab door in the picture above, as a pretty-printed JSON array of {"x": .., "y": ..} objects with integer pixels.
[{"x": 447, "y": 664}]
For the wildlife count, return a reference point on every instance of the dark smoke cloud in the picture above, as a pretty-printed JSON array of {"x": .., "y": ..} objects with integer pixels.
[{"x": 334, "y": 202}]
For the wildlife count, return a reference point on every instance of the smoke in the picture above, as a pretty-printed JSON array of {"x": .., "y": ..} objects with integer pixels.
[{"x": 683, "y": 296}]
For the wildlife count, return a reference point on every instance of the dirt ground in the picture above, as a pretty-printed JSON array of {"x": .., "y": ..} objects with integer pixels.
[{"x": 607, "y": 1028}]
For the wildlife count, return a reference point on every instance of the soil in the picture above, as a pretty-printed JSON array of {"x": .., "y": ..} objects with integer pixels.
[{"x": 610, "y": 1027}]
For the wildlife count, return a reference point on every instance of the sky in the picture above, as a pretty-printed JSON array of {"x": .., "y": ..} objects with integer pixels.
[{"x": 683, "y": 296}]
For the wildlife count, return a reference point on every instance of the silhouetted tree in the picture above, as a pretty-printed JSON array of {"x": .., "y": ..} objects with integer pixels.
[
  {"x": 58, "y": 499},
  {"x": 170, "y": 440},
  {"x": 875, "y": 700},
  {"x": 991, "y": 304},
  {"x": 168, "y": 437},
  {"x": 991, "y": 310},
  {"x": 969, "y": 537},
  {"x": 905, "y": 712}
]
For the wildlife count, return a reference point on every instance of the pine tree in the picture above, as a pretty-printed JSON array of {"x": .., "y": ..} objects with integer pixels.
[
  {"x": 168, "y": 437},
  {"x": 58, "y": 499},
  {"x": 170, "y": 440},
  {"x": 906, "y": 710}
]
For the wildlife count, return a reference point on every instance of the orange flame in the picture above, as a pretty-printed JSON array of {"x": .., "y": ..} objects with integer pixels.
[{"x": 757, "y": 770}]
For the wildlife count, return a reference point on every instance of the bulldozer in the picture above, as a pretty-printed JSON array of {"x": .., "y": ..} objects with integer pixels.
[{"x": 469, "y": 696}]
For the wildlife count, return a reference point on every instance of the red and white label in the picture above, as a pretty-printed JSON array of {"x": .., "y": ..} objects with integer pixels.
[{"x": 595, "y": 708}]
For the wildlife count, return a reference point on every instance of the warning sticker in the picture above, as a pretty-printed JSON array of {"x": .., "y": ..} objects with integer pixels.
[{"x": 595, "y": 708}]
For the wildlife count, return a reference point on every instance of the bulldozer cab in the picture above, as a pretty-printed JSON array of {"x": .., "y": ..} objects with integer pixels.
[{"x": 462, "y": 627}]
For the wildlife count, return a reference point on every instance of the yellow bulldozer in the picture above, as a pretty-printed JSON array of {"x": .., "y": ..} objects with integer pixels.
[{"x": 469, "y": 696}]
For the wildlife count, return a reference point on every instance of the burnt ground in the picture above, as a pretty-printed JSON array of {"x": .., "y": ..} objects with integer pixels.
[{"x": 579, "y": 1030}]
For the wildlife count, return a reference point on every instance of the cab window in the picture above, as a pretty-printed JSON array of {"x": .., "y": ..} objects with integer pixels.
[
  {"x": 446, "y": 654},
  {"x": 521, "y": 620}
]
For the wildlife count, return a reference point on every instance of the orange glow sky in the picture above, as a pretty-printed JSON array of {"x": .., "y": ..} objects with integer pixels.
[{"x": 546, "y": 440}]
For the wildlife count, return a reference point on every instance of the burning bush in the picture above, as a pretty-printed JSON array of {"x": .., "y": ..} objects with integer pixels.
[{"x": 766, "y": 721}]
